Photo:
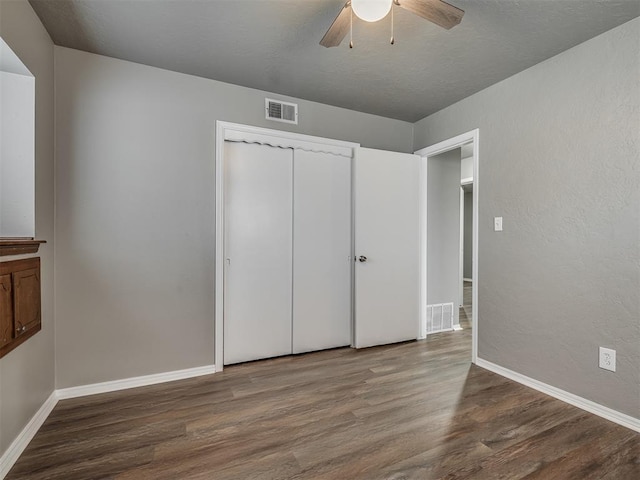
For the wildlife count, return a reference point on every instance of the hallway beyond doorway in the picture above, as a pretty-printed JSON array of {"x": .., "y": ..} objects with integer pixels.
[{"x": 467, "y": 306}]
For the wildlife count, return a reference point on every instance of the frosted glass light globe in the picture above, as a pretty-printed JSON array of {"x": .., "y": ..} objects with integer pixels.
[{"x": 371, "y": 10}]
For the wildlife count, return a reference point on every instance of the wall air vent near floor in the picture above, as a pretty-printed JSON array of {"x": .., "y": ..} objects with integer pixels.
[
  {"x": 439, "y": 318},
  {"x": 281, "y": 111}
]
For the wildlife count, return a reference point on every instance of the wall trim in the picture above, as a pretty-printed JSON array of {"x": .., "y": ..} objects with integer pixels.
[
  {"x": 11, "y": 455},
  {"x": 468, "y": 279},
  {"x": 570, "y": 398},
  {"x": 133, "y": 382}
]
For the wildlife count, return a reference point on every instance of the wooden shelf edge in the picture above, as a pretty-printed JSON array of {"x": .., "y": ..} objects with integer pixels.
[
  {"x": 16, "y": 342},
  {"x": 19, "y": 246}
]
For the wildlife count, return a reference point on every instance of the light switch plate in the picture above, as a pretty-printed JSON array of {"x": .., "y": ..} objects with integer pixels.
[{"x": 497, "y": 224}]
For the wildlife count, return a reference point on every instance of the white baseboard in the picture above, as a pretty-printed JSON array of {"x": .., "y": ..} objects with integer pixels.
[
  {"x": 467, "y": 279},
  {"x": 580, "y": 402},
  {"x": 11, "y": 455},
  {"x": 143, "y": 381}
]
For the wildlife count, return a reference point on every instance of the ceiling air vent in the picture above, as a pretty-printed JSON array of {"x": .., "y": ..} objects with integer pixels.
[{"x": 281, "y": 111}]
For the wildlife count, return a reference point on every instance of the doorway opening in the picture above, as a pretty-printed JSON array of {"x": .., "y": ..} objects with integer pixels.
[{"x": 449, "y": 236}]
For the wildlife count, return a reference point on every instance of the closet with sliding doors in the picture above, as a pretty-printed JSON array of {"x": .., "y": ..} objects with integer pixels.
[{"x": 287, "y": 247}]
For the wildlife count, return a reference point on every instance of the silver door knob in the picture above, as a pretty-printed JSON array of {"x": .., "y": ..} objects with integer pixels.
[{"x": 362, "y": 258}]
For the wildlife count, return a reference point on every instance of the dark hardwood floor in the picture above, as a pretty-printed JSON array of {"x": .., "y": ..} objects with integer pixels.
[{"x": 416, "y": 410}]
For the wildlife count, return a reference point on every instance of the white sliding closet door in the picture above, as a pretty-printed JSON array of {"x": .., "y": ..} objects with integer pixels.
[
  {"x": 321, "y": 251},
  {"x": 258, "y": 252}
]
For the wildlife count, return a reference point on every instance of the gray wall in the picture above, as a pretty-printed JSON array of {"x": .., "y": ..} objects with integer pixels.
[
  {"x": 443, "y": 229},
  {"x": 27, "y": 374},
  {"x": 467, "y": 264},
  {"x": 135, "y": 209},
  {"x": 559, "y": 149}
]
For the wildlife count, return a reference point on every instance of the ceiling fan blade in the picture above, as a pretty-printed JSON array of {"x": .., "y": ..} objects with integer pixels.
[
  {"x": 338, "y": 28},
  {"x": 439, "y": 12}
]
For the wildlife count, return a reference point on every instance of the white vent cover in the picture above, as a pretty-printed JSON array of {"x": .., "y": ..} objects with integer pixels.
[
  {"x": 439, "y": 318},
  {"x": 281, "y": 111}
]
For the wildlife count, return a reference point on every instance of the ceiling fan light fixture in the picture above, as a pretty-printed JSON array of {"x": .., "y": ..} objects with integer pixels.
[{"x": 371, "y": 10}]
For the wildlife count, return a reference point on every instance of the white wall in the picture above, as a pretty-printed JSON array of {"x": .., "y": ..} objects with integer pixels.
[
  {"x": 135, "y": 209},
  {"x": 27, "y": 373},
  {"x": 559, "y": 148},
  {"x": 17, "y": 150}
]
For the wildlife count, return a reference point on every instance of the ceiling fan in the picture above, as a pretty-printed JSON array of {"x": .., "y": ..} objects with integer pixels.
[{"x": 437, "y": 11}]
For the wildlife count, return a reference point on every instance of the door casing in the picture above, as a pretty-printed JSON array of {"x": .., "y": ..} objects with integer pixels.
[{"x": 472, "y": 136}]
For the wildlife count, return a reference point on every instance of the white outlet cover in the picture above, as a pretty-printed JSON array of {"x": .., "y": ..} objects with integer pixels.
[
  {"x": 497, "y": 224},
  {"x": 607, "y": 359}
]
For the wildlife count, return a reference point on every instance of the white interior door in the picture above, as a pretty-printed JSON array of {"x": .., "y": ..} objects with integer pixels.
[
  {"x": 321, "y": 251},
  {"x": 258, "y": 252},
  {"x": 387, "y": 233}
]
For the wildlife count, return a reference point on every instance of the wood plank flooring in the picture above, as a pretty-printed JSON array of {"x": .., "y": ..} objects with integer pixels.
[{"x": 416, "y": 410}]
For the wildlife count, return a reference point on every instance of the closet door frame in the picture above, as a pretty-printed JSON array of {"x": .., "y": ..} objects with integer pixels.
[{"x": 278, "y": 138}]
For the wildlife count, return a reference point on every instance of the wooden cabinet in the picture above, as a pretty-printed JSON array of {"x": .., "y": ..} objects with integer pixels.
[{"x": 20, "y": 316}]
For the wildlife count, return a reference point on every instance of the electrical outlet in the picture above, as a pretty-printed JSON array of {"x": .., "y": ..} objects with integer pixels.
[{"x": 607, "y": 359}]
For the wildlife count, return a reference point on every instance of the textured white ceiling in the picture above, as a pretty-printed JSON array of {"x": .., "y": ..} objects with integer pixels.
[{"x": 273, "y": 45}]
